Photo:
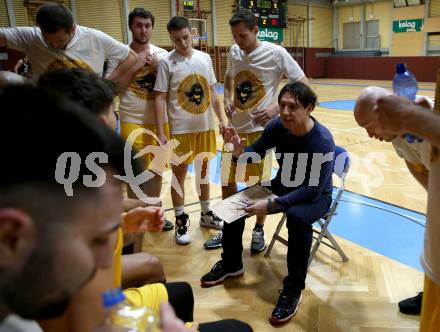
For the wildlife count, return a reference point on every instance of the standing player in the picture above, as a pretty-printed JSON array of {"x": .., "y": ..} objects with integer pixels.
[
  {"x": 137, "y": 105},
  {"x": 185, "y": 87},
  {"x": 253, "y": 74},
  {"x": 58, "y": 42}
]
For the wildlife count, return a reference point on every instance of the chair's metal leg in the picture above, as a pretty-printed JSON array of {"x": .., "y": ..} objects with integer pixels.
[
  {"x": 312, "y": 254},
  {"x": 275, "y": 236},
  {"x": 335, "y": 244},
  {"x": 317, "y": 243}
]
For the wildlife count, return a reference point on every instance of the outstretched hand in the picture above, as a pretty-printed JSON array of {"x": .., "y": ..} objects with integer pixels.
[
  {"x": 233, "y": 142},
  {"x": 143, "y": 219}
]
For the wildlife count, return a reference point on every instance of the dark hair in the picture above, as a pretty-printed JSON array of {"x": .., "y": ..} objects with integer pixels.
[
  {"x": 49, "y": 127},
  {"x": 81, "y": 86},
  {"x": 245, "y": 16},
  {"x": 52, "y": 126},
  {"x": 302, "y": 92},
  {"x": 53, "y": 17},
  {"x": 140, "y": 12},
  {"x": 177, "y": 23}
]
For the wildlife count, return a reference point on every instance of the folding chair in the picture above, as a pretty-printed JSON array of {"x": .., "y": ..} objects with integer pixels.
[{"x": 341, "y": 166}]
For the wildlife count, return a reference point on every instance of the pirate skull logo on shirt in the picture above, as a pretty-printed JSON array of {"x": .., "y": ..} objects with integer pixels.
[
  {"x": 244, "y": 91},
  {"x": 249, "y": 91},
  {"x": 143, "y": 83},
  {"x": 147, "y": 82},
  {"x": 193, "y": 94}
]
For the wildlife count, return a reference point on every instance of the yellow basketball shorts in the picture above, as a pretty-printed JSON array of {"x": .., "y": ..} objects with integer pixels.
[
  {"x": 250, "y": 173},
  {"x": 200, "y": 145},
  {"x": 151, "y": 295},
  {"x": 430, "y": 318},
  {"x": 148, "y": 295},
  {"x": 145, "y": 140}
]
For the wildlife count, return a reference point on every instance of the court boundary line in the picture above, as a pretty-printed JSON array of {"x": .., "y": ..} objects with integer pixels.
[{"x": 365, "y": 85}]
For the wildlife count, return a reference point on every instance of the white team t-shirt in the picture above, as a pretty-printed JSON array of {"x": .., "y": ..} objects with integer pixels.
[
  {"x": 256, "y": 78},
  {"x": 417, "y": 153},
  {"x": 187, "y": 82},
  {"x": 421, "y": 154},
  {"x": 89, "y": 48},
  {"x": 137, "y": 105}
]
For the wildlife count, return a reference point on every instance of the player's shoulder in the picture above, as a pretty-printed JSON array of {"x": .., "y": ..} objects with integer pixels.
[
  {"x": 234, "y": 49},
  {"x": 200, "y": 53},
  {"x": 271, "y": 47},
  {"x": 84, "y": 31},
  {"x": 170, "y": 56}
]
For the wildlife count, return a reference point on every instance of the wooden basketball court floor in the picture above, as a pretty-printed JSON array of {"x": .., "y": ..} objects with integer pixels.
[{"x": 359, "y": 295}]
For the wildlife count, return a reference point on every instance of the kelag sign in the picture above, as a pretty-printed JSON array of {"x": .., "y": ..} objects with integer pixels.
[
  {"x": 270, "y": 34},
  {"x": 413, "y": 25}
]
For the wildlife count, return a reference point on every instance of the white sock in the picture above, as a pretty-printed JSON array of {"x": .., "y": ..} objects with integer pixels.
[
  {"x": 178, "y": 210},
  {"x": 205, "y": 206}
]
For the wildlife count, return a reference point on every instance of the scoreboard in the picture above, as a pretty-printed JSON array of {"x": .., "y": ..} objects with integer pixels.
[
  {"x": 188, "y": 5},
  {"x": 269, "y": 13}
]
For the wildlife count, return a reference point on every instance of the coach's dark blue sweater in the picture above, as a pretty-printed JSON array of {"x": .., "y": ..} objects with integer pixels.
[{"x": 295, "y": 156}]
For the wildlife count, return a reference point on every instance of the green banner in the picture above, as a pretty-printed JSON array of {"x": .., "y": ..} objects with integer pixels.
[
  {"x": 413, "y": 25},
  {"x": 270, "y": 34}
]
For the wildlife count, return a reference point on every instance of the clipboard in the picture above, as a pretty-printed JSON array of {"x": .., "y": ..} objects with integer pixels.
[{"x": 232, "y": 208}]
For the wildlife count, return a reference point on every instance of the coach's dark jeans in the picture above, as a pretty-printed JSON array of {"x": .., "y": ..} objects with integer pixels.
[{"x": 299, "y": 224}]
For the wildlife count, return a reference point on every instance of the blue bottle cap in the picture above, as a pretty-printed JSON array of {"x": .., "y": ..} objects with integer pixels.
[
  {"x": 409, "y": 138},
  {"x": 400, "y": 68},
  {"x": 112, "y": 297}
]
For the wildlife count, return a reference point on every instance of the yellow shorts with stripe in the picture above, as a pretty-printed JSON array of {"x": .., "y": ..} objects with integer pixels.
[
  {"x": 144, "y": 140},
  {"x": 201, "y": 145},
  {"x": 430, "y": 318},
  {"x": 250, "y": 173}
]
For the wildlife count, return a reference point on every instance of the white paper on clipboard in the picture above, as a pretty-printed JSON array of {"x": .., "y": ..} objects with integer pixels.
[{"x": 232, "y": 208}]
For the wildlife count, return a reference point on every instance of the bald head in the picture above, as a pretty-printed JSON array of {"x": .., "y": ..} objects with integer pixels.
[
  {"x": 10, "y": 78},
  {"x": 364, "y": 112},
  {"x": 367, "y": 100}
]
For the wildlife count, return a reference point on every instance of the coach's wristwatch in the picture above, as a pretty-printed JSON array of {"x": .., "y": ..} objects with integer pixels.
[{"x": 272, "y": 206}]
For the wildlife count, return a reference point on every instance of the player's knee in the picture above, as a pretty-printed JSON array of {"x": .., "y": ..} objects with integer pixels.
[{"x": 153, "y": 268}]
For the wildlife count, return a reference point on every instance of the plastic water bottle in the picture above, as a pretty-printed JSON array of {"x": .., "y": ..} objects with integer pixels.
[
  {"x": 405, "y": 84},
  {"x": 126, "y": 316}
]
